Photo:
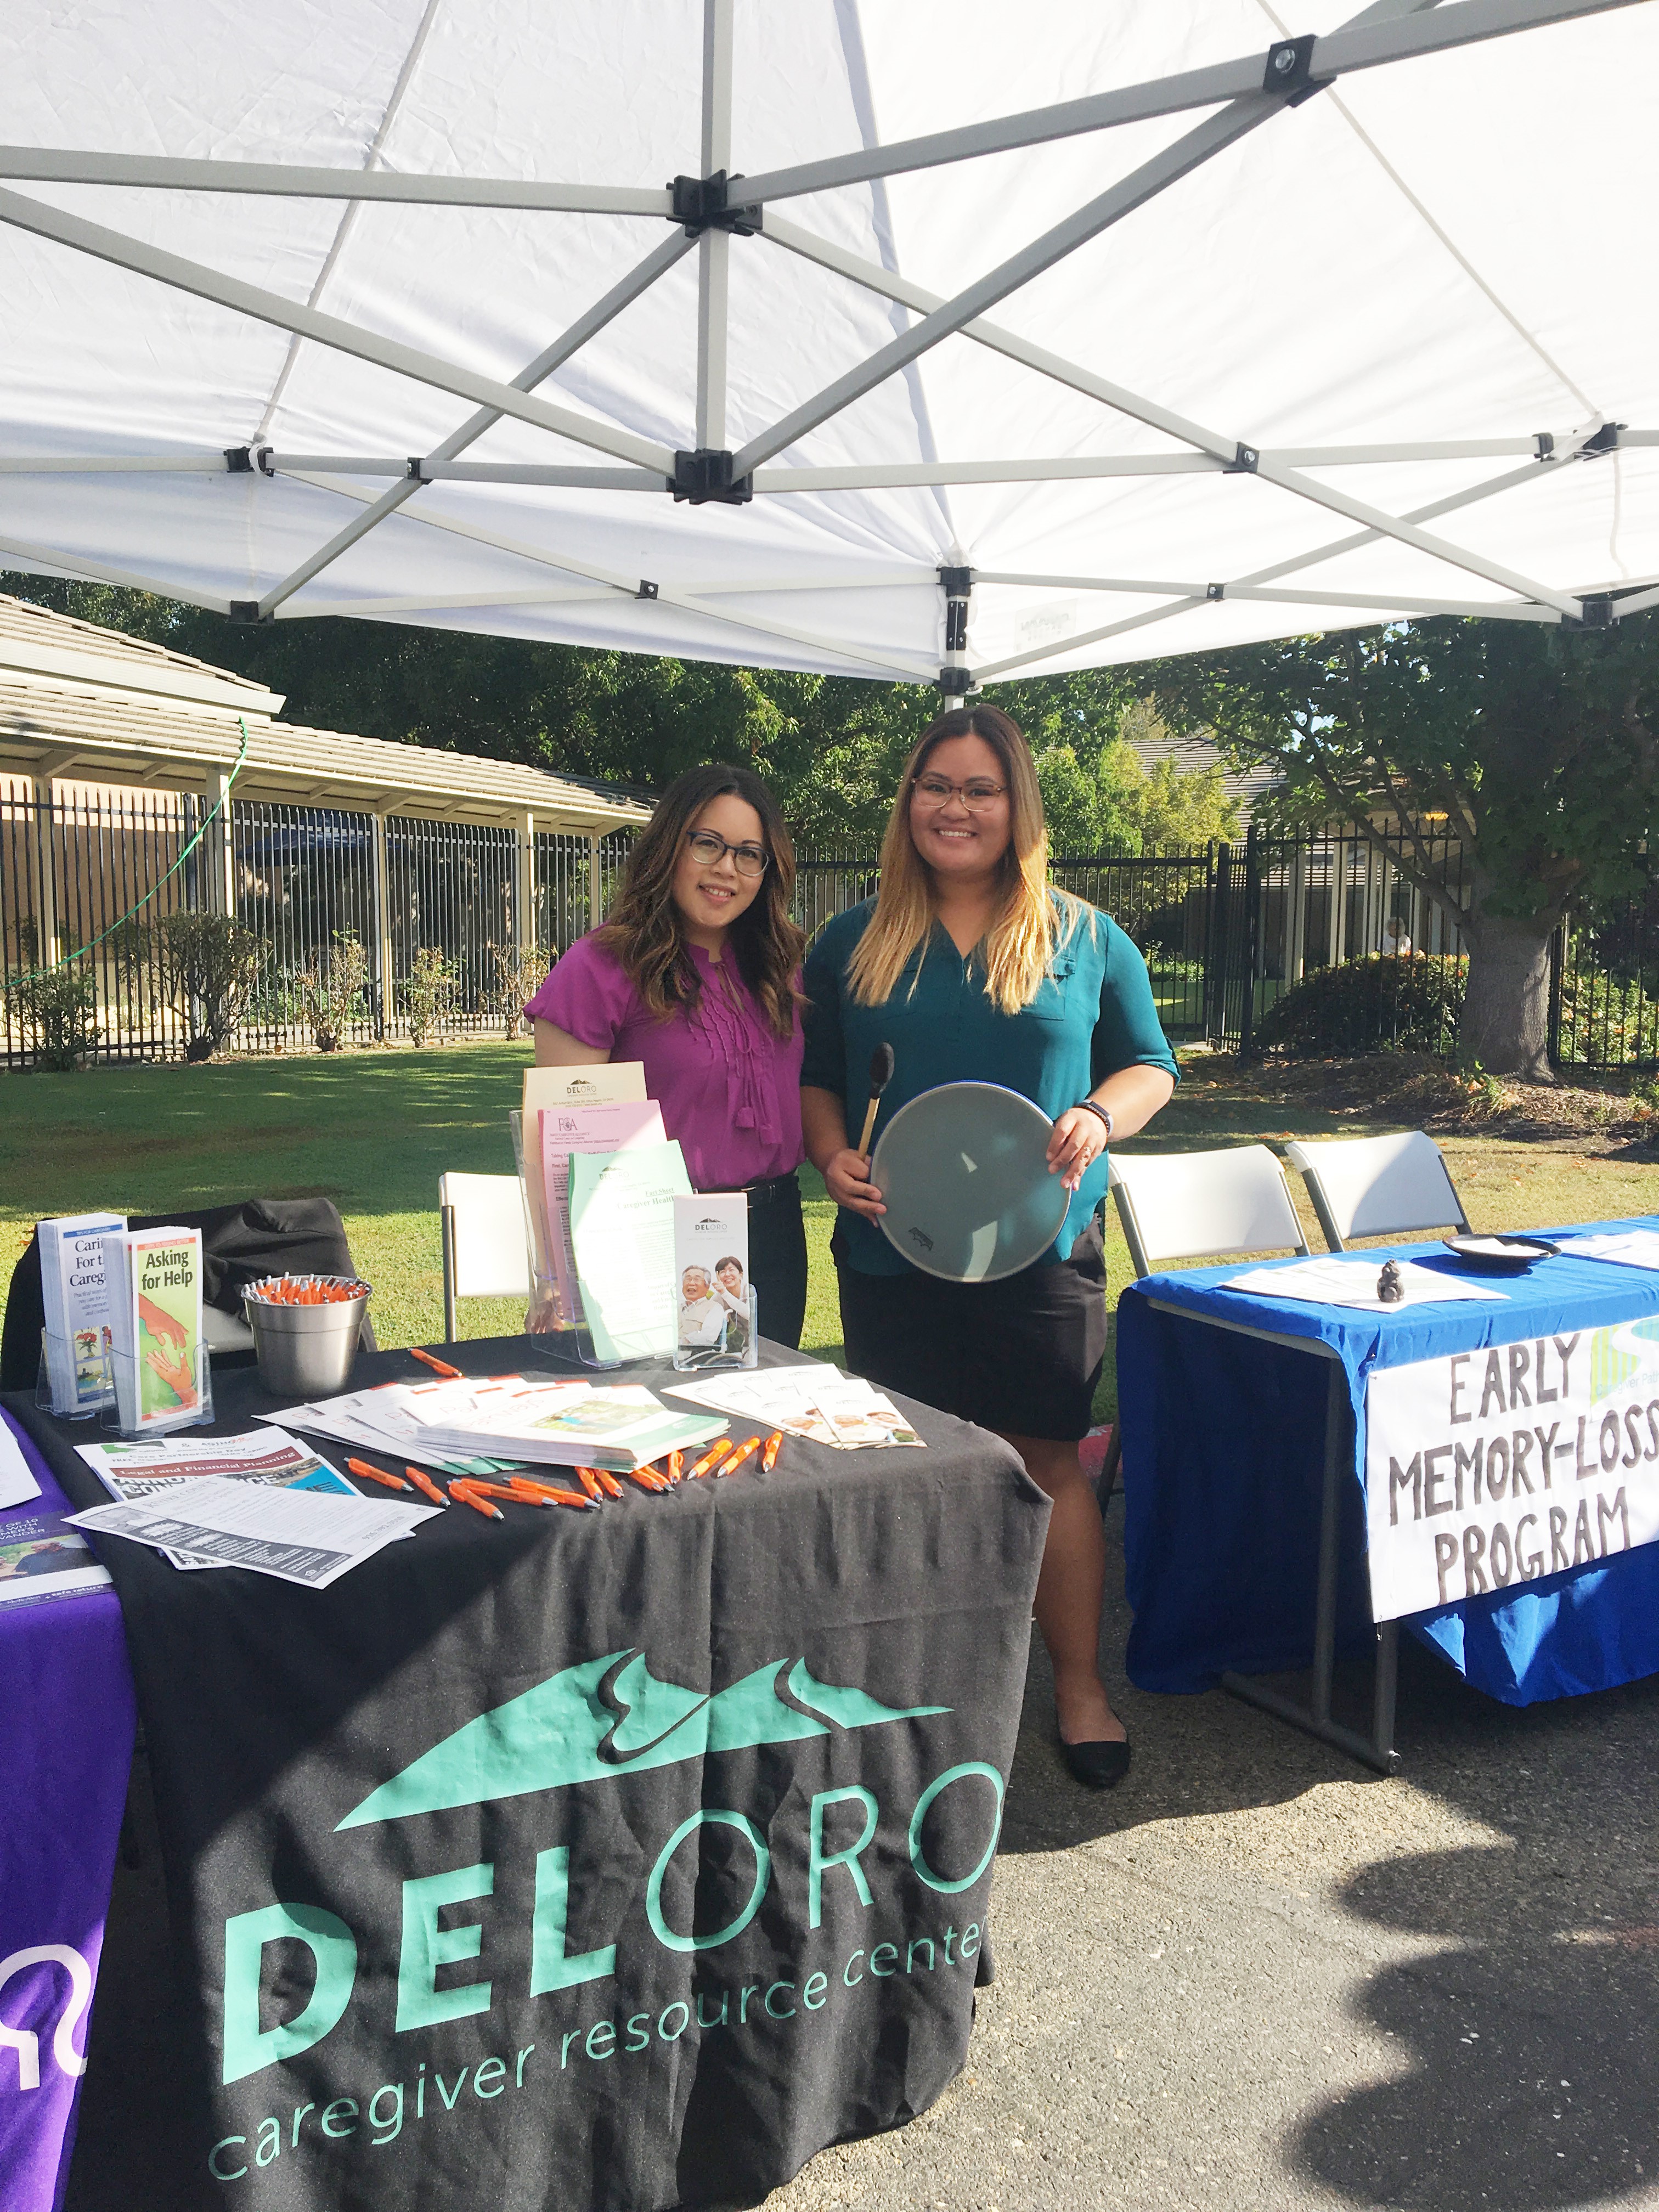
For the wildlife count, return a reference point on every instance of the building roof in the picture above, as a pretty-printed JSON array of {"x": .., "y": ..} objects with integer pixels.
[
  {"x": 102, "y": 707},
  {"x": 1248, "y": 785}
]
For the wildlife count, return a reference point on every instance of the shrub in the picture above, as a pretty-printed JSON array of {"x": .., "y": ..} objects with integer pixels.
[
  {"x": 1408, "y": 1001},
  {"x": 330, "y": 989},
  {"x": 57, "y": 1013},
  {"x": 428, "y": 994},
  {"x": 521, "y": 971},
  {"x": 204, "y": 965}
]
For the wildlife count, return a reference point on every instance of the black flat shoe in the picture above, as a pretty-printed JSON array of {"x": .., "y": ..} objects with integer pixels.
[{"x": 1095, "y": 1766}]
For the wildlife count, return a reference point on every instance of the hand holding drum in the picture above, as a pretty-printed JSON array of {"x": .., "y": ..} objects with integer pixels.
[{"x": 847, "y": 1177}]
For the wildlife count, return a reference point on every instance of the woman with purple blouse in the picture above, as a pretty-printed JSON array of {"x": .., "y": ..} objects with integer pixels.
[{"x": 697, "y": 973}]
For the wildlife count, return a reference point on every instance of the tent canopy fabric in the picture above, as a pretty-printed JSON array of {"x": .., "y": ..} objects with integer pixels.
[{"x": 1152, "y": 328}]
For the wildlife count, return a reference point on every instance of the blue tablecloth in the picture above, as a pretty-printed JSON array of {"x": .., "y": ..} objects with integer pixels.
[{"x": 1222, "y": 1466}]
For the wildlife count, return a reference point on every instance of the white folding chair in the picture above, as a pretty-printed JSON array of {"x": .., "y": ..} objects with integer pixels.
[
  {"x": 483, "y": 1237},
  {"x": 1377, "y": 1186},
  {"x": 1189, "y": 1205}
]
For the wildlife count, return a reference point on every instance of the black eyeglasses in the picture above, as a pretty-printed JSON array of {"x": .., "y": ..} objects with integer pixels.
[{"x": 710, "y": 849}]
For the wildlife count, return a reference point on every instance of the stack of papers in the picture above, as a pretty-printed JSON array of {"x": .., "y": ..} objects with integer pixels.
[
  {"x": 816, "y": 1402},
  {"x": 135, "y": 1472},
  {"x": 1625, "y": 1247},
  {"x": 555, "y": 1423},
  {"x": 296, "y": 1534},
  {"x": 1351, "y": 1280},
  {"x": 386, "y": 1419}
]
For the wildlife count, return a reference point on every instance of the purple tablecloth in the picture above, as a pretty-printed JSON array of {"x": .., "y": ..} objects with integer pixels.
[{"x": 66, "y": 1728}]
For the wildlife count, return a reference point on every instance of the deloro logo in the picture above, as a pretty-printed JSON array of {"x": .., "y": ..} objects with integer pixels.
[{"x": 609, "y": 1716}]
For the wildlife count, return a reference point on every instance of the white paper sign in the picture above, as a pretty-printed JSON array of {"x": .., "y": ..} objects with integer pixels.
[{"x": 1487, "y": 1469}]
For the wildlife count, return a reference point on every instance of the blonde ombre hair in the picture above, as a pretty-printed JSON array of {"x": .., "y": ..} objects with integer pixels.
[{"x": 1033, "y": 919}]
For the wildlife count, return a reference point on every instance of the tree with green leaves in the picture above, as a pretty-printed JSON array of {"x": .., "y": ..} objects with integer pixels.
[{"x": 1540, "y": 746}]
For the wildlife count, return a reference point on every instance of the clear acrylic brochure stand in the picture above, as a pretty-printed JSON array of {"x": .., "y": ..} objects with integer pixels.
[
  {"x": 86, "y": 1407},
  {"x": 121, "y": 1368}
]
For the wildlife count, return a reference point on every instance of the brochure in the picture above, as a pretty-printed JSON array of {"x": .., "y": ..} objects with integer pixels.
[
  {"x": 713, "y": 1303},
  {"x": 17, "y": 1480},
  {"x": 42, "y": 1557},
  {"x": 817, "y": 1403},
  {"x": 617, "y": 1126},
  {"x": 382, "y": 1419},
  {"x": 294, "y": 1534},
  {"x": 560, "y": 1423},
  {"x": 608, "y": 1083},
  {"x": 132, "y": 1471},
  {"x": 621, "y": 1234},
  {"x": 75, "y": 1294},
  {"x": 1351, "y": 1280},
  {"x": 155, "y": 1322}
]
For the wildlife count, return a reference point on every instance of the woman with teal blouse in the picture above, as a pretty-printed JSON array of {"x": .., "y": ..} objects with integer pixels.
[{"x": 972, "y": 967}]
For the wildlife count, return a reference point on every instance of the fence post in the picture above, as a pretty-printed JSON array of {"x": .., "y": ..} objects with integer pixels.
[
  {"x": 524, "y": 839},
  {"x": 595, "y": 881},
  {"x": 1215, "y": 945},
  {"x": 1252, "y": 939},
  {"x": 221, "y": 853},
  {"x": 1557, "y": 965},
  {"x": 382, "y": 925},
  {"x": 46, "y": 913}
]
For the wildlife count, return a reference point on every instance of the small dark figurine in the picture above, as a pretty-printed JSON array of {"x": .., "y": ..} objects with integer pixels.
[{"x": 1389, "y": 1288}]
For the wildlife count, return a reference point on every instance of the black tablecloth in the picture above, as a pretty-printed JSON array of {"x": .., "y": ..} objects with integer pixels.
[{"x": 620, "y": 1859}]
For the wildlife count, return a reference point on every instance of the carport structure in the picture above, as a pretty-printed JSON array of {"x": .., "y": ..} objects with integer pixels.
[{"x": 1192, "y": 327}]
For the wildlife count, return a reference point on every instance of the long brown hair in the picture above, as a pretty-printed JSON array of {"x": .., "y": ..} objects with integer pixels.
[
  {"x": 645, "y": 928},
  {"x": 1032, "y": 919}
]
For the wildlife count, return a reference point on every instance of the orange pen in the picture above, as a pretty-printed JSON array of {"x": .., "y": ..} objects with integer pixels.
[
  {"x": 748, "y": 1445},
  {"x": 589, "y": 1482},
  {"x": 676, "y": 1465},
  {"x": 425, "y": 1486},
  {"x": 647, "y": 1478},
  {"x": 547, "y": 1493},
  {"x": 770, "y": 1456},
  {"x": 608, "y": 1482},
  {"x": 438, "y": 1366},
  {"x": 715, "y": 1453},
  {"x": 464, "y": 1492},
  {"x": 375, "y": 1474}
]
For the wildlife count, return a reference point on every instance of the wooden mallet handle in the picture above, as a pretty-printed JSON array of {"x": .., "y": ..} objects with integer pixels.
[{"x": 869, "y": 1124}]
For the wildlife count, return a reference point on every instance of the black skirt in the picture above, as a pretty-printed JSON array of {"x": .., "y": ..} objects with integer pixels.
[{"x": 1022, "y": 1355}]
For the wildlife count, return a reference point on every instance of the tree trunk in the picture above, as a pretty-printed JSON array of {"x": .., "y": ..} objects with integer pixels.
[{"x": 1504, "y": 1023}]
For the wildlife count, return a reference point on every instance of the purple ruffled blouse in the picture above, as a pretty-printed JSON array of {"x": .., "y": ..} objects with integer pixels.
[{"x": 729, "y": 1088}]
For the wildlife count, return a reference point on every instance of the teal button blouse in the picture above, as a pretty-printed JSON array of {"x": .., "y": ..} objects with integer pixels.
[{"x": 1093, "y": 1014}]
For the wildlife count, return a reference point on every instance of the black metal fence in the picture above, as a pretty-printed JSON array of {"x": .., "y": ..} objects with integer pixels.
[
  {"x": 446, "y": 927},
  {"x": 419, "y": 928}
]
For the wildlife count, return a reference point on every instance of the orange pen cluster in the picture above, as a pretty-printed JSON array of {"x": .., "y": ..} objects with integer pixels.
[{"x": 305, "y": 1290}]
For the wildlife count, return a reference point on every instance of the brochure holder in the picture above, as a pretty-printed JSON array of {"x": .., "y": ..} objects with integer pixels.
[
  {"x": 120, "y": 1366},
  {"x": 547, "y": 1304},
  {"x": 43, "y": 1393}
]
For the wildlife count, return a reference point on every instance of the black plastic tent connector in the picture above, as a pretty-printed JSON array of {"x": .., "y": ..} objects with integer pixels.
[
  {"x": 647, "y": 590},
  {"x": 1289, "y": 71},
  {"x": 1545, "y": 441},
  {"x": 1244, "y": 463},
  {"x": 1604, "y": 440},
  {"x": 1597, "y": 614},
  {"x": 955, "y": 583},
  {"x": 239, "y": 460},
  {"x": 416, "y": 468},
  {"x": 1215, "y": 591},
  {"x": 706, "y": 475},
  {"x": 247, "y": 611},
  {"x": 703, "y": 203},
  {"x": 955, "y": 682}
]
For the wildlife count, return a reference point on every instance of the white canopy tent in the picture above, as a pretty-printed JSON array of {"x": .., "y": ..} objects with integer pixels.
[{"x": 1131, "y": 330}]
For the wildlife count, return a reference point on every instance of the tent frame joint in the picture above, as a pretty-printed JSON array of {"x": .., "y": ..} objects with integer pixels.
[
  {"x": 247, "y": 612},
  {"x": 1288, "y": 71},
  {"x": 1599, "y": 612},
  {"x": 1604, "y": 440},
  {"x": 704, "y": 203},
  {"x": 1245, "y": 462},
  {"x": 706, "y": 475}
]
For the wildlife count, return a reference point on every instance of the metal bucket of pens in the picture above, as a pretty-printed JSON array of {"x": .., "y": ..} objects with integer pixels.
[{"x": 305, "y": 1329}]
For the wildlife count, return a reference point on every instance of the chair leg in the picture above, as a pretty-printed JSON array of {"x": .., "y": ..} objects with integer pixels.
[{"x": 1109, "y": 1471}]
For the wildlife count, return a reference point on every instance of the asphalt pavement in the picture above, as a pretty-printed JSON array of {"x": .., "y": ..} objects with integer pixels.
[{"x": 1257, "y": 1977}]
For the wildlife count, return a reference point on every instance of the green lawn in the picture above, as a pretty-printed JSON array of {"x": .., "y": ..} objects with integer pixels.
[{"x": 373, "y": 1130}]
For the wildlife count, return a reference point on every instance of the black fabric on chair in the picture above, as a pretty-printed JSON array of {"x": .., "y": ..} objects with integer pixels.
[{"x": 256, "y": 1236}]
